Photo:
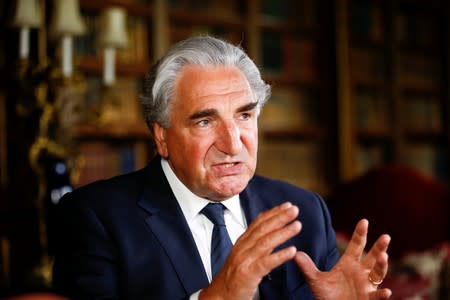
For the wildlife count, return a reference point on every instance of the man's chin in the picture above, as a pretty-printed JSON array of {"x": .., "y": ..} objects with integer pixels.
[{"x": 229, "y": 189}]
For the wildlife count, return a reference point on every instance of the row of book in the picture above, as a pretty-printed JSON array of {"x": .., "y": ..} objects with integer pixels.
[
  {"x": 3, "y": 142},
  {"x": 429, "y": 159},
  {"x": 102, "y": 159},
  {"x": 213, "y": 7},
  {"x": 372, "y": 110},
  {"x": 290, "y": 109},
  {"x": 304, "y": 12},
  {"x": 300, "y": 163},
  {"x": 367, "y": 65},
  {"x": 289, "y": 57},
  {"x": 411, "y": 25},
  {"x": 418, "y": 29},
  {"x": 366, "y": 20},
  {"x": 419, "y": 71},
  {"x": 421, "y": 113}
]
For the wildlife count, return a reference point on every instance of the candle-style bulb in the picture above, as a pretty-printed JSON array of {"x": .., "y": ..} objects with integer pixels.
[{"x": 27, "y": 15}]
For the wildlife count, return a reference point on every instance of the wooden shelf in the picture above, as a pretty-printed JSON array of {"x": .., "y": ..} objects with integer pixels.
[
  {"x": 286, "y": 27},
  {"x": 373, "y": 135},
  {"x": 205, "y": 18},
  {"x": 281, "y": 79},
  {"x": 426, "y": 135},
  {"x": 306, "y": 133},
  {"x": 132, "y": 7},
  {"x": 94, "y": 65},
  {"x": 113, "y": 131}
]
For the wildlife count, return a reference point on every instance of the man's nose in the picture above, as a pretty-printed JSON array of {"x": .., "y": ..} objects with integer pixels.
[{"x": 229, "y": 139}]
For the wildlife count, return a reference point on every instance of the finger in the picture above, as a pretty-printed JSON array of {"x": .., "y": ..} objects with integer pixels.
[
  {"x": 267, "y": 223},
  {"x": 358, "y": 241},
  {"x": 380, "y": 246},
  {"x": 267, "y": 243},
  {"x": 277, "y": 211},
  {"x": 265, "y": 265},
  {"x": 307, "y": 266},
  {"x": 382, "y": 294},
  {"x": 379, "y": 270}
]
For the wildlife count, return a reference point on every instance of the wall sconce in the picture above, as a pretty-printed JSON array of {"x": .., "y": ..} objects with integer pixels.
[
  {"x": 28, "y": 15},
  {"x": 113, "y": 36},
  {"x": 66, "y": 23}
]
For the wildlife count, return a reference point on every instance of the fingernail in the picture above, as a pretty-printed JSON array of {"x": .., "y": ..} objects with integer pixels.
[{"x": 286, "y": 205}]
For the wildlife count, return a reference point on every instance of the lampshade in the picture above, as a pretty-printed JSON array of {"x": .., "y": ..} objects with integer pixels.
[
  {"x": 66, "y": 19},
  {"x": 114, "y": 33},
  {"x": 28, "y": 14}
]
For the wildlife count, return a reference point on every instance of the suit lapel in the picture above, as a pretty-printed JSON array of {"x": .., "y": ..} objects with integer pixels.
[
  {"x": 272, "y": 286},
  {"x": 168, "y": 224}
]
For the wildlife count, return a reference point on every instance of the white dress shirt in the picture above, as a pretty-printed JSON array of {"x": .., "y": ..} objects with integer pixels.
[{"x": 200, "y": 226}]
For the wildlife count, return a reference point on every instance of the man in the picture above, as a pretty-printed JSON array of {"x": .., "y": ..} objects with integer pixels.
[{"x": 148, "y": 234}]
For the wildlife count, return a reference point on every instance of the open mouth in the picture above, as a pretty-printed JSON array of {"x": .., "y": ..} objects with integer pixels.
[{"x": 229, "y": 165}]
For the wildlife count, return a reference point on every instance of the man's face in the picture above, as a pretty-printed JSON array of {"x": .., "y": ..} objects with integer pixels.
[{"x": 212, "y": 142}]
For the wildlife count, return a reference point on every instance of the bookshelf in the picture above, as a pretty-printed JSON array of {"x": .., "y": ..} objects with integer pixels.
[
  {"x": 356, "y": 83},
  {"x": 285, "y": 38},
  {"x": 296, "y": 125},
  {"x": 114, "y": 138},
  {"x": 392, "y": 69}
]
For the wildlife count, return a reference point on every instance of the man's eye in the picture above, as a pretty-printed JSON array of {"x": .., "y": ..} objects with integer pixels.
[
  {"x": 203, "y": 123},
  {"x": 245, "y": 116}
]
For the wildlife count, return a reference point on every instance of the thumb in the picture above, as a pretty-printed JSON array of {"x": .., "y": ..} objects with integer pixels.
[{"x": 307, "y": 266}]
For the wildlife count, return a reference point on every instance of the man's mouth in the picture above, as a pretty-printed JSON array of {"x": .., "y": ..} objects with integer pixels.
[
  {"x": 229, "y": 168},
  {"x": 229, "y": 165}
]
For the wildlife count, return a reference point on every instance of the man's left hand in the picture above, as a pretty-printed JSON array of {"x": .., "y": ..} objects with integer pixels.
[{"x": 354, "y": 276}]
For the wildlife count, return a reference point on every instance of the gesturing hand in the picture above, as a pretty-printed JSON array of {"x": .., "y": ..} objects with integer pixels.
[
  {"x": 252, "y": 256},
  {"x": 354, "y": 276}
]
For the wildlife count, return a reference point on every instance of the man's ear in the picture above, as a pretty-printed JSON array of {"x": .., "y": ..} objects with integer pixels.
[{"x": 159, "y": 134}]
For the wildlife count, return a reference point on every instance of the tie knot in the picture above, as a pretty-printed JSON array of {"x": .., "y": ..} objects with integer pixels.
[{"x": 214, "y": 212}]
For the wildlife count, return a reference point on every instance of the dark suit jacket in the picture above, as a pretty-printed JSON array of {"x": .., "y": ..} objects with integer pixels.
[{"x": 127, "y": 238}]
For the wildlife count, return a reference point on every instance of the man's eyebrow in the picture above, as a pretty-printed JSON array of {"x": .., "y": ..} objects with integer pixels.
[
  {"x": 202, "y": 114},
  {"x": 247, "y": 107},
  {"x": 211, "y": 111}
]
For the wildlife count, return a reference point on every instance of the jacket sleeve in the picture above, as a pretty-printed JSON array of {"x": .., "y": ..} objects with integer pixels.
[{"x": 84, "y": 265}]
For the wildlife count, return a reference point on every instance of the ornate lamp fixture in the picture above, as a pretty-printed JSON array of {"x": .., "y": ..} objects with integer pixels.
[
  {"x": 65, "y": 24},
  {"x": 113, "y": 36}
]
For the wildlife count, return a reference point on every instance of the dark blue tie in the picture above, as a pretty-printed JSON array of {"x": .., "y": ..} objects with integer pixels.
[{"x": 220, "y": 241}]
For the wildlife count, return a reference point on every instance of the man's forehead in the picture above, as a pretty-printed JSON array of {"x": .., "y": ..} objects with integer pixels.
[{"x": 204, "y": 81}]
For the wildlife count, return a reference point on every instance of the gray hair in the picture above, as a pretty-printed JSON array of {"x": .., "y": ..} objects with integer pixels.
[{"x": 159, "y": 82}]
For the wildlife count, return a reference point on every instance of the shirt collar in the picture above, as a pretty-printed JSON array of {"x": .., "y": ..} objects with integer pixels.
[{"x": 191, "y": 204}]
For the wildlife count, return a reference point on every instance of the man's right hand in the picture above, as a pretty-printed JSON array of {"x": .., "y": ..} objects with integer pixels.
[{"x": 253, "y": 256}]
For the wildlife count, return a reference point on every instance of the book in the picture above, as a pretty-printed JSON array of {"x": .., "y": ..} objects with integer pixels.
[
  {"x": 299, "y": 59},
  {"x": 104, "y": 159},
  {"x": 372, "y": 111},
  {"x": 366, "y": 65},
  {"x": 272, "y": 53},
  {"x": 300, "y": 163},
  {"x": 137, "y": 50},
  {"x": 3, "y": 143},
  {"x": 367, "y": 157},
  {"x": 429, "y": 159},
  {"x": 421, "y": 113},
  {"x": 419, "y": 72},
  {"x": 289, "y": 109}
]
